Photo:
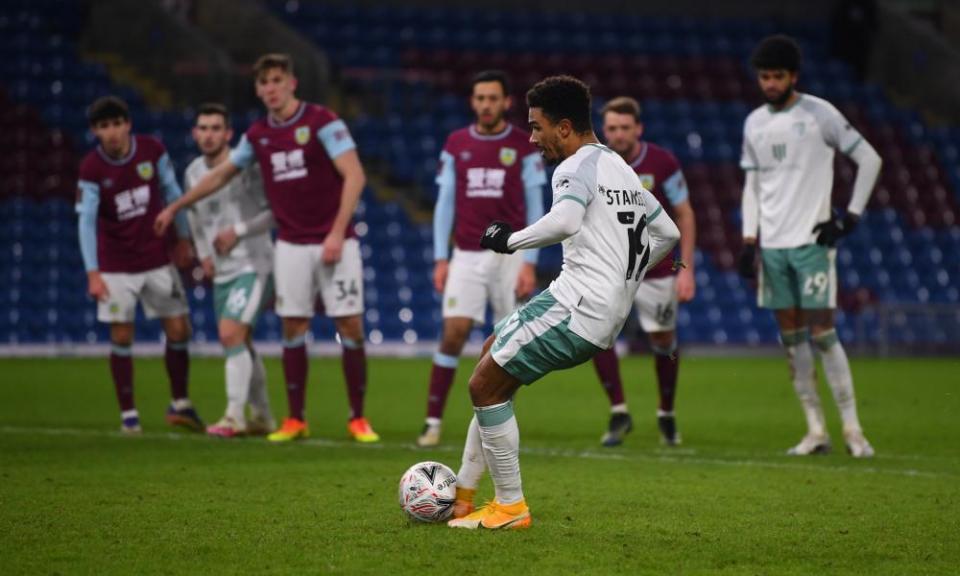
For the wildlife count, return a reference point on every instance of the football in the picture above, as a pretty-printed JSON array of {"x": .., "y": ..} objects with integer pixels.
[{"x": 427, "y": 491}]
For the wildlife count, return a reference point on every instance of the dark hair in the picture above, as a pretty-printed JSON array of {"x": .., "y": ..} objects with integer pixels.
[
  {"x": 273, "y": 60},
  {"x": 778, "y": 52},
  {"x": 622, "y": 105},
  {"x": 107, "y": 108},
  {"x": 563, "y": 97},
  {"x": 492, "y": 76},
  {"x": 214, "y": 108}
]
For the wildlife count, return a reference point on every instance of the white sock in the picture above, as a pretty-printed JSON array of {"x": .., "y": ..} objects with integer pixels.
[
  {"x": 473, "y": 463},
  {"x": 258, "y": 398},
  {"x": 620, "y": 408},
  {"x": 239, "y": 367},
  {"x": 800, "y": 357},
  {"x": 837, "y": 368},
  {"x": 500, "y": 438}
]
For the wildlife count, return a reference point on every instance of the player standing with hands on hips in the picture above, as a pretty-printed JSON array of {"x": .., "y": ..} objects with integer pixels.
[
  {"x": 788, "y": 150},
  {"x": 313, "y": 180},
  {"x": 612, "y": 231}
]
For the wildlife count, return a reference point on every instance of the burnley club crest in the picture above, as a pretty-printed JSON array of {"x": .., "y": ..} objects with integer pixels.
[
  {"x": 145, "y": 170},
  {"x": 508, "y": 156},
  {"x": 302, "y": 135}
]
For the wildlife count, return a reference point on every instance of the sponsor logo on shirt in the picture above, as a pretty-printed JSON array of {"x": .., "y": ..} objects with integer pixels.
[
  {"x": 288, "y": 165},
  {"x": 485, "y": 182},
  {"x": 508, "y": 156},
  {"x": 145, "y": 170},
  {"x": 132, "y": 203},
  {"x": 302, "y": 135}
]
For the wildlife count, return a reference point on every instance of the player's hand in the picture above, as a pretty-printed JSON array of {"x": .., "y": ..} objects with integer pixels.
[
  {"x": 440, "y": 270},
  {"x": 96, "y": 287},
  {"x": 686, "y": 285},
  {"x": 332, "y": 248},
  {"x": 208, "y": 268},
  {"x": 225, "y": 241},
  {"x": 496, "y": 236},
  {"x": 745, "y": 264},
  {"x": 835, "y": 228},
  {"x": 527, "y": 280},
  {"x": 163, "y": 221},
  {"x": 182, "y": 253}
]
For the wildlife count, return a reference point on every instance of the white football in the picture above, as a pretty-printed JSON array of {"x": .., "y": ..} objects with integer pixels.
[{"x": 428, "y": 491}]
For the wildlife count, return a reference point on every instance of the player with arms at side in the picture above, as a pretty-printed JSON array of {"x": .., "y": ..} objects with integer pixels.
[
  {"x": 231, "y": 234},
  {"x": 313, "y": 179},
  {"x": 612, "y": 230},
  {"x": 789, "y": 146},
  {"x": 123, "y": 185},
  {"x": 663, "y": 286},
  {"x": 488, "y": 171}
]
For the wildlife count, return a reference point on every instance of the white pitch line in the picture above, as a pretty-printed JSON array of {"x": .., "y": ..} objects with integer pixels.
[{"x": 672, "y": 458}]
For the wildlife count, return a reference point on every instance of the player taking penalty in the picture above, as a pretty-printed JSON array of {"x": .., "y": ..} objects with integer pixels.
[
  {"x": 612, "y": 231},
  {"x": 313, "y": 179},
  {"x": 789, "y": 146},
  {"x": 123, "y": 185},
  {"x": 488, "y": 171},
  {"x": 231, "y": 234}
]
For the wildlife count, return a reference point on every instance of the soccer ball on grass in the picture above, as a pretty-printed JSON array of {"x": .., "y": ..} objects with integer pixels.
[{"x": 428, "y": 491}]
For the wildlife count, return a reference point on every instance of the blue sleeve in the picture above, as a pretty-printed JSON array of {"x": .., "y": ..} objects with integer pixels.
[
  {"x": 242, "y": 155},
  {"x": 533, "y": 194},
  {"x": 336, "y": 138},
  {"x": 171, "y": 192},
  {"x": 533, "y": 173},
  {"x": 87, "y": 208},
  {"x": 675, "y": 188},
  {"x": 443, "y": 211}
]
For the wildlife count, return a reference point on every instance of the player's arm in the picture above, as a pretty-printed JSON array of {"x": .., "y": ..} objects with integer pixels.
[
  {"x": 340, "y": 147},
  {"x": 663, "y": 232},
  {"x": 749, "y": 209},
  {"x": 226, "y": 239},
  {"x": 240, "y": 157},
  {"x": 87, "y": 208},
  {"x": 839, "y": 134},
  {"x": 182, "y": 254},
  {"x": 201, "y": 244},
  {"x": 677, "y": 193},
  {"x": 571, "y": 196},
  {"x": 443, "y": 214},
  {"x": 533, "y": 181}
]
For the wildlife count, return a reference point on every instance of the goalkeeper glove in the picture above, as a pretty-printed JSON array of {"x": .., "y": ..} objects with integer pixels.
[
  {"x": 835, "y": 228},
  {"x": 745, "y": 264},
  {"x": 496, "y": 236}
]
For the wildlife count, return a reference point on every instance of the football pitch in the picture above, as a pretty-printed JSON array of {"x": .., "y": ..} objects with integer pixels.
[{"x": 76, "y": 497}]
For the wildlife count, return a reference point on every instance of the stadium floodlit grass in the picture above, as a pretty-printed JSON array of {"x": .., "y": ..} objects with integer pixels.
[{"x": 76, "y": 497}]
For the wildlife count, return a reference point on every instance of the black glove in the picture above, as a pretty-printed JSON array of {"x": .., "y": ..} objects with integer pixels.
[
  {"x": 835, "y": 228},
  {"x": 745, "y": 264},
  {"x": 495, "y": 237}
]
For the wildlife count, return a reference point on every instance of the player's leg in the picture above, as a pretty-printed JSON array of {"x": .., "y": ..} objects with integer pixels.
[
  {"x": 261, "y": 420},
  {"x": 464, "y": 303},
  {"x": 817, "y": 267},
  {"x": 238, "y": 372},
  {"x": 295, "y": 271},
  {"x": 607, "y": 365},
  {"x": 121, "y": 369},
  {"x": 119, "y": 311},
  {"x": 666, "y": 360},
  {"x": 779, "y": 289},
  {"x": 163, "y": 297},
  {"x": 341, "y": 287}
]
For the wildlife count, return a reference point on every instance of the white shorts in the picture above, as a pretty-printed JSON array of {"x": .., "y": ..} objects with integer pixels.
[
  {"x": 477, "y": 276},
  {"x": 159, "y": 291},
  {"x": 656, "y": 302},
  {"x": 300, "y": 274}
]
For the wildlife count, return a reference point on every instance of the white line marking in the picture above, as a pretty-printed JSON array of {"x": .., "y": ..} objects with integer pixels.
[{"x": 661, "y": 456}]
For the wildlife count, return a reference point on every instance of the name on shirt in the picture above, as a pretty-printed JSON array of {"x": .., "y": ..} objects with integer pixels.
[
  {"x": 132, "y": 203},
  {"x": 485, "y": 182},
  {"x": 288, "y": 165},
  {"x": 622, "y": 197}
]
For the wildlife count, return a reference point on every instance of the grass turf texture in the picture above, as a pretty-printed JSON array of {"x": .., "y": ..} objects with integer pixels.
[{"x": 75, "y": 497}]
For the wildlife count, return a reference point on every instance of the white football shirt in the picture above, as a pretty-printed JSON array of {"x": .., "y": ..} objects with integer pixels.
[
  {"x": 239, "y": 201},
  {"x": 792, "y": 152},
  {"x": 605, "y": 261}
]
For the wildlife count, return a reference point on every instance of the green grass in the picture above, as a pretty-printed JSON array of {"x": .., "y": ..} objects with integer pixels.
[{"x": 75, "y": 497}]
